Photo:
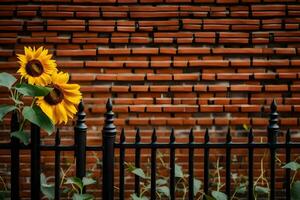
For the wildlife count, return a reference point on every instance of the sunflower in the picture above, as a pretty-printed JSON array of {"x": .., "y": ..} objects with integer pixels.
[
  {"x": 36, "y": 66},
  {"x": 61, "y": 103}
]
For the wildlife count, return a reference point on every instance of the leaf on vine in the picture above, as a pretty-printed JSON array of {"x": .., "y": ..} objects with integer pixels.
[
  {"x": 178, "y": 171},
  {"x": 5, "y": 109},
  {"x": 22, "y": 136},
  {"x": 88, "y": 181},
  {"x": 139, "y": 172},
  {"x": 38, "y": 117},
  {"x": 164, "y": 190},
  {"x": 241, "y": 189},
  {"x": 82, "y": 197},
  {"x": 161, "y": 181},
  {"x": 295, "y": 194},
  {"x": 260, "y": 189},
  {"x": 219, "y": 195},
  {"x": 33, "y": 90},
  {"x": 135, "y": 197},
  {"x": 7, "y": 80},
  {"x": 292, "y": 165},
  {"x": 47, "y": 189},
  {"x": 75, "y": 181},
  {"x": 197, "y": 186}
]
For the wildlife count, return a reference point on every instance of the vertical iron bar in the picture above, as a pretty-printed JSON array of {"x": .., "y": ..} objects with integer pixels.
[
  {"x": 35, "y": 162},
  {"x": 15, "y": 157},
  {"x": 122, "y": 160},
  {"x": 287, "y": 160},
  {"x": 250, "y": 165},
  {"x": 228, "y": 161},
  {"x": 57, "y": 165},
  {"x": 137, "y": 162},
  {"x": 80, "y": 141},
  {"x": 191, "y": 165},
  {"x": 153, "y": 165},
  {"x": 172, "y": 165},
  {"x": 206, "y": 161},
  {"x": 109, "y": 134},
  {"x": 273, "y": 130}
]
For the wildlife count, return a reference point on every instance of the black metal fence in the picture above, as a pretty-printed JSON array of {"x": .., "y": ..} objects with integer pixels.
[{"x": 109, "y": 145}]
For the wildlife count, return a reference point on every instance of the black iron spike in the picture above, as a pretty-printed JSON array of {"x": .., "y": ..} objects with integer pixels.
[
  {"x": 154, "y": 136},
  {"x": 172, "y": 136},
  {"x": 288, "y": 136},
  {"x": 137, "y": 136},
  {"x": 228, "y": 136},
  {"x": 122, "y": 136},
  {"x": 206, "y": 136},
  {"x": 250, "y": 135},
  {"x": 191, "y": 135}
]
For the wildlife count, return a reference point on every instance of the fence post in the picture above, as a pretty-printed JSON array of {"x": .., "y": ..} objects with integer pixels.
[
  {"x": 35, "y": 161},
  {"x": 15, "y": 157},
  {"x": 273, "y": 130},
  {"x": 80, "y": 141},
  {"x": 108, "y": 139}
]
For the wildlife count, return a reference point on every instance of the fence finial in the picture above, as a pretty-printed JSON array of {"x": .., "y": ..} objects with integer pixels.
[
  {"x": 108, "y": 133},
  {"x": 80, "y": 141},
  {"x": 80, "y": 122},
  {"x": 273, "y": 127}
]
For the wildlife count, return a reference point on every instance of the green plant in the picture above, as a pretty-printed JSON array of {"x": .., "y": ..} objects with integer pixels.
[
  {"x": 295, "y": 184},
  {"x": 32, "y": 112},
  {"x": 4, "y": 191},
  {"x": 70, "y": 185},
  {"x": 162, "y": 182}
]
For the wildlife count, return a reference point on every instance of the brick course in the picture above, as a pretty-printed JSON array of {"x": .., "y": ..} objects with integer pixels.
[{"x": 181, "y": 63}]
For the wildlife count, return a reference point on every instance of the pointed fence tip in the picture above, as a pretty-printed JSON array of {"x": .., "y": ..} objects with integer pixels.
[
  {"x": 80, "y": 106},
  {"x": 273, "y": 106},
  {"x": 109, "y": 105},
  {"x": 206, "y": 136}
]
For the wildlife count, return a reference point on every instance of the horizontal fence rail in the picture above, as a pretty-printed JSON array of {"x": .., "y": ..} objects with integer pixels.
[{"x": 109, "y": 146}]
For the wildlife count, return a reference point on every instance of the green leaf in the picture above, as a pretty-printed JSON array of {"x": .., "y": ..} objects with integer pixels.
[
  {"x": 178, "y": 171},
  {"x": 4, "y": 109},
  {"x": 38, "y": 117},
  {"x": 33, "y": 90},
  {"x": 209, "y": 197},
  {"x": 7, "y": 80},
  {"x": 292, "y": 165},
  {"x": 295, "y": 191},
  {"x": 161, "y": 182},
  {"x": 139, "y": 172},
  {"x": 75, "y": 181},
  {"x": 219, "y": 195},
  {"x": 197, "y": 186},
  {"x": 82, "y": 197},
  {"x": 260, "y": 189},
  {"x": 242, "y": 189},
  {"x": 88, "y": 181},
  {"x": 47, "y": 189},
  {"x": 164, "y": 190},
  {"x": 22, "y": 136},
  {"x": 135, "y": 197}
]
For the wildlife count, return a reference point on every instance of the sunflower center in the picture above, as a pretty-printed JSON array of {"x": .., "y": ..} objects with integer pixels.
[
  {"x": 55, "y": 96},
  {"x": 34, "y": 68}
]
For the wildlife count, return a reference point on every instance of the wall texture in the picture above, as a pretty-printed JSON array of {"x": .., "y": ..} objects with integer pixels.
[
  {"x": 167, "y": 62},
  {"x": 179, "y": 63}
]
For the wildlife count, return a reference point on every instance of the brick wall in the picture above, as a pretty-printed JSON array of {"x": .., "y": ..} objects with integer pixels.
[
  {"x": 179, "y": 63},
  {"x": 167, "y": 62}
]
